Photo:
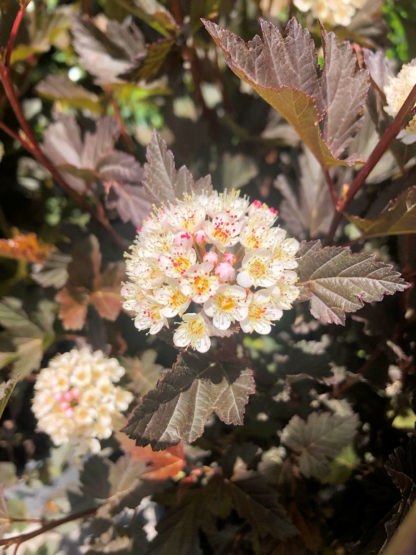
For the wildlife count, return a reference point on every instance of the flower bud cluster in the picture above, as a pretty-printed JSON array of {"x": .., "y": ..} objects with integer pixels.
[
  {"x": 219, "y": 252},
  {"x": 396, "y": 91},
  {"x": 333, "y": 12},
  {"x": 76, "y": 399}
]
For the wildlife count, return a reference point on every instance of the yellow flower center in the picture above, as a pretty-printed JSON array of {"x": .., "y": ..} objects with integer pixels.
[
  {"x": 225, "y": 303},
  {"x": 255, "y": 312},
  {"x": 196, "y": 328},
  {"x": 257, "y": 268}
]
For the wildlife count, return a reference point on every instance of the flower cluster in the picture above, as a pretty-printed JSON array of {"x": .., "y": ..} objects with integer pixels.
[
  {"x": 219, "y": 252},
  {"x": 76, "y": 399},
  {"x": 396, "y": 93},
  {"x": 333, "y": 12}
]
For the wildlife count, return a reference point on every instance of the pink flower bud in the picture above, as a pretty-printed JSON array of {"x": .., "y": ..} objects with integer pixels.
[
  {"x": 69, "y": 412},
  {"x": 224, "y": 271},
  {"x": 211, "y": 257},
  {"x": 75, "y": 392},
  {"x": 64, "y": 405},
  {"x": 59, "y": 397},
  {"x": 68, "y": 396},
  {"x": 200, "y": 236},
  {"x": 183, "y": 239},
  {"x": 228, "y": 257}
]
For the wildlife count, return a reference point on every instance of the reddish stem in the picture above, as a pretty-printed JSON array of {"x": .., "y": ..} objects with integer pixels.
[
  {"x": 175, "y": 6},
  {"x": 387, "y": 138},
  {"x": 31, "y": 144},
  {"x": 332, "y": 189},
  {"x": 13, "y": 35},
  {"x": 21, "y": 538}
]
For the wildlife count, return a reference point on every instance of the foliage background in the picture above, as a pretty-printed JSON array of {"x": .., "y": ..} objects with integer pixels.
[{"x": 258, "y": 488}]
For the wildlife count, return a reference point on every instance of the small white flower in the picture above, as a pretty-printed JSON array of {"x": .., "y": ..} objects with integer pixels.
[
  {"x": 259, "y": 269},
  {"x": 261, "y": 313},
  {"x": 194, "y": 332},
  {"x": 199, "y": 284},
  {"x": 227, "y": 306},
  {"x": 334, "y": 12},
  {"x": 396, "y": 93},
  {"x": 83, "y": 406}
]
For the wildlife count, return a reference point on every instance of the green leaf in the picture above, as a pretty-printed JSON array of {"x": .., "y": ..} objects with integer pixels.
[
  {"x": 337, "y": 281},
  {"x": 43, "y": 28},
  {"x": 6, "y": 389},
  {"x": 156, "y": 54},
  {"x": 153, "y": 13},
  {"x": 183, "y": 400},
  {"x": 60, "y": 87},
  {"x": 162, "y": 181},
  {"x": 30, "y": 334},
  {"x": 324, "y": 108},
  {"x": 319, "y": 439},
  {"x": 399, "y": 218}
]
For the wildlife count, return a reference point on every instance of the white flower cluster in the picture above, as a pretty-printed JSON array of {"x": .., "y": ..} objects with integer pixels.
[
  {"x": 333, "y": 12},
  {"x": 219, "y": 252},
  {"x": 396, "y": 93},
  {"x": 76, "y": 399}
]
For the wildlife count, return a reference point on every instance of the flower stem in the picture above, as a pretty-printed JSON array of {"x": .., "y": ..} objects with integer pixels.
[
  {"x": 387, "y": 138},
  {"x": 50, "y": 525},
  {"x": 28, "y": 139}
]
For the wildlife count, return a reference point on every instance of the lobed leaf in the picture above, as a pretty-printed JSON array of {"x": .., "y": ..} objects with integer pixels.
[
  {"x": 183, "y": 400},
  {"x": 87, "y": 285},
  {"x": 337, "y": 281},
  {"x": 30, "y": 334},
  {"x": 107, "y": 53},
  {"x": 95, "y": 159},
  {"x": 306, "y": 211},
  {"x": 256, "y": 501},
  {"x": 153, "y": 13},
  {"x": 323, "y": 107},
  {"x": 156, "y": 54},
  {"x": 399, "y": 218},
  {"x": 60, "y": 87},
  {"x": 162, "y": 181},
  {"x": 319, "y": 439}
]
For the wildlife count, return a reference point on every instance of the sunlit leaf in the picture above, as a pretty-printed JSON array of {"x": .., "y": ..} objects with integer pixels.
[
  {"x": 152, "y": 61},
  {"x": 86, "y": 284},
  {"x": 153, "y": 13},
  {"x": 162, "y": 181},
  {"x": 162, "y": 464},
  {"x": 60, "y": 87},
  {"x": 53, "y": 272},
  {"x": 399, "y": 218},
  {"x": 108, "y": 52},
  {"x": 143, "y": 372},
  {"x": 43, "y": 30},
  {"x": 6, "y": 389},
  {"x": 319, "y": 439},
  {"x": 30, "y": 333},
  {"x": 324, "y": 108},
  {"x": 336, "y": 281},
  {"x": 305, "y": 205},
  {"x": 183, "y": 400}
]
